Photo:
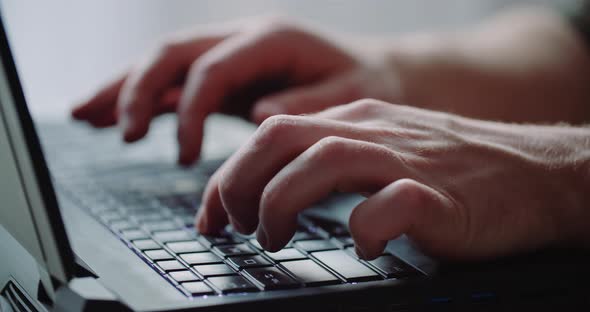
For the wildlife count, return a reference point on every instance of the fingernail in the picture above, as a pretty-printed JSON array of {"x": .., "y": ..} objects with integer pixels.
[
  {"x": 359, "y": 253},
  {"x": 262, "y": 238}
]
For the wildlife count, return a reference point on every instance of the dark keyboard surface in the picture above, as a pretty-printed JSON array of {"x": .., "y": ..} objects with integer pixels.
[{"x": 151, "y": 208}]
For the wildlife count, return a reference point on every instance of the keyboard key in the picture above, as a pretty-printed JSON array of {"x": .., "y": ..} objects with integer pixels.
[
  {"x": 234, "y": 250},
  {"x": 201, "y": 258},
  {"x": 98, "y": 209},
  {"x": 314, "y": 245},
  {"x": 161, "y": 226},
  {"x": 345, "y": 265},
  {"x": 186, "y": 220},
  {"x": 344, "y": 241},
  {"x": 392, "y": 266},
  {"x": 255, "y": 243},
  {"x": 286, "y": 255},
  {"x": 214, "y": 269},
  {"x": 242, "y": 262},
  {"x": 272, "y": 278},
  {"x": 183, "y": 276},
  {"x": 147, "y": 217},
  {"x": 304, "y": 236},
  {"x": 173, "y": 236},
  {"x": 242, "y": 237},
  {"x": 232, "y": 284},
  {"x": 197, "y": 288},
  {"x": 146, "y": 244},
  {"x": 186, "y": 247},
  {"x": 134, "y": 234},
  {"x": 210, "y": 241},
  {"x": 121, "y": 225},
  {"x": 111, "y": 216},
  {"x": 172, "y": 202},
  {"x": 159, "y": 254},
  {"x": 171, "y": 265},
  {"x": 330, "y": 227},
  {"x": 310, "y": 272}
]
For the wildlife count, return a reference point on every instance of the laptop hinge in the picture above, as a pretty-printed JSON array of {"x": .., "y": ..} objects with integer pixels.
[
  {"x": 82, "y": 269},
  {"x": 17, "y": 299}
]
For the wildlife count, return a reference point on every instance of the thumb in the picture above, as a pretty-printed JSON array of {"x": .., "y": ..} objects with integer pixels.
[
  {"x": 308, "y": 99},
  {"x": 404, "y": 206}
]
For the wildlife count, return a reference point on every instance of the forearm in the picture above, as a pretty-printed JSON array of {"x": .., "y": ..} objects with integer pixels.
[{"x": 527, "y": 65}]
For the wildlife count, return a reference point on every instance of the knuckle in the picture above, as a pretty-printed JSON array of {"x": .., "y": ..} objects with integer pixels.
[
  {"x": 208, "y": 67},
  {"x": 411, "y": 191},
  {"x": 329, "y": 148},
  {"x": 368, "y": 107},
  {"x": 142, "y": 89},
  {"x": 278, "y": 24},
  {"x": 275, "y": 128},
  {"x": 169, "y": 48}
]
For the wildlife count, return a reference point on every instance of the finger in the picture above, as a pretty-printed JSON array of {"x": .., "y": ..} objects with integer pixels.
[
  {"x": 169, "y": 101},
  {"x": 145, "y": 86},
  {"x": 404, "y": 206},
  {"x": 308, "y": 99},
  {"x": 360, "y": 111},
  {"x": 102, "y": 103},
  {"x": 107, "y": 119},
  {"x": 332, "y": 164},
  {"x": 211, "y": 216},
  {"x": 240, "y": 185},
  {"x": 230, "y": 65}
]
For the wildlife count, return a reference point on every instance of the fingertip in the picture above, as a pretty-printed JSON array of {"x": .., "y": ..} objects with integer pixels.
[
  {"x": 211, "y": 218},
  {"x": 359, "y": 252},
  {"x": 131, "y": 135},
  {"x": 262, "y": 238},
  {"x": 239, "y": 227},
  {"x": 201, "y": 223},
  {"x": 75, "y": 113},
  {"x": 189, "y": 147},
  {"x": 369, "y": 250},
  {"x": 186, "y": 158},
  {"x": 78, "y": 111},
  {"x": 132, "y": 128}
]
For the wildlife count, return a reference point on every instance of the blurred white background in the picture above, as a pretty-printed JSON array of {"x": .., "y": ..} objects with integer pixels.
[{"x": 67, "y": 48}]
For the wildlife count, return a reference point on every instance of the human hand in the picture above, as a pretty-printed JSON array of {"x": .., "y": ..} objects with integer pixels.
[
  {"x": 460, "y": 188},
  {"x": 255, "y": 69}
]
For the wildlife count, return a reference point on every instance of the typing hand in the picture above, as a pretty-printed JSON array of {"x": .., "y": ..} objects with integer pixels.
[
  {"x": 255, "y": 70},
  {"x": 460, "y": 188}
]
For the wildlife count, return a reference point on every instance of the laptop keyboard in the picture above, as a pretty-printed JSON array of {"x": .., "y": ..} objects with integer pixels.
[{"x": 151, "y": 209}]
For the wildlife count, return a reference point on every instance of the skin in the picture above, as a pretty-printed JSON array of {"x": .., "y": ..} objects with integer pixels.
[{"x": 459, "y": 186}]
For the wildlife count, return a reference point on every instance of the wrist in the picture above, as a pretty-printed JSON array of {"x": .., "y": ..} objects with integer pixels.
[{"x": 426, "y": 65}]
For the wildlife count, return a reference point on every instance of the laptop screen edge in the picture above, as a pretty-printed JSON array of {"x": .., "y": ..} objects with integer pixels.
[{"x": 58, "y": 254}]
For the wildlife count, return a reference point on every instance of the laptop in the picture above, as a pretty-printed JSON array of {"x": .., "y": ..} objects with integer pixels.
[{"x": 90, "y": 225}]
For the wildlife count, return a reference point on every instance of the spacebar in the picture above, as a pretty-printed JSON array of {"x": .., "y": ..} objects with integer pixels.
[{"x": 346, "y": 266}]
